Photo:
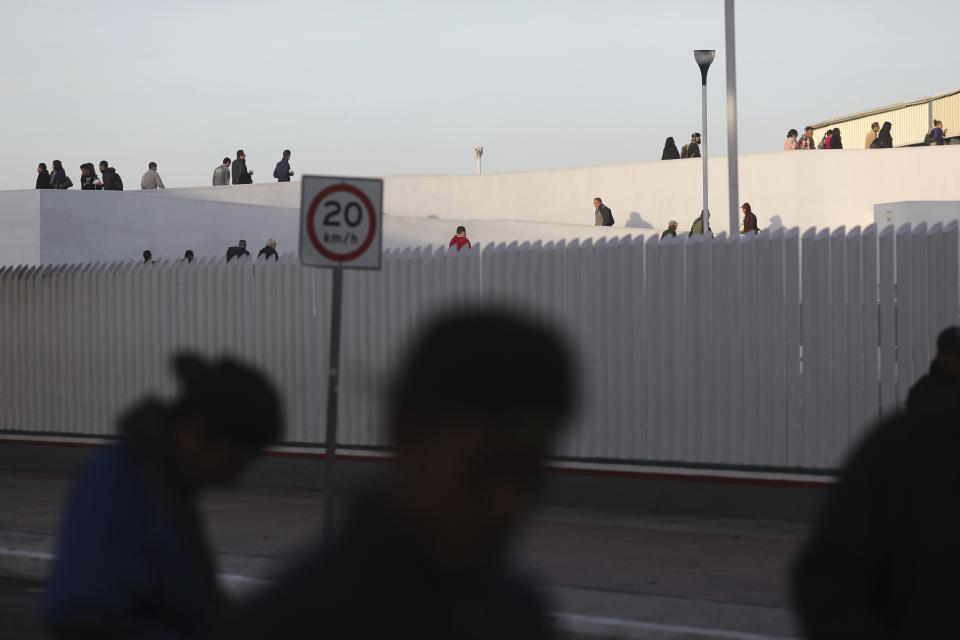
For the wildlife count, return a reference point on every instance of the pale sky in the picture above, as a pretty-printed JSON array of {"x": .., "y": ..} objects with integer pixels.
[{"x": 384, "y": 88}]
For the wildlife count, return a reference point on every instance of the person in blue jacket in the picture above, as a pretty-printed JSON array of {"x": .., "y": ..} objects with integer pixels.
[{"x": 132, "y": 559}]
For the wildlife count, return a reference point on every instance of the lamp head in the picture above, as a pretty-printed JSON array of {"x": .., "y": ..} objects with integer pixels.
[{"x": 704, "y": 58}]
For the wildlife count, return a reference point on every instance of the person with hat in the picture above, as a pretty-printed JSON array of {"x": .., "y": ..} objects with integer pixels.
[
  {"x": 749, "y": 224},
  {"x": 132, "y": 559},
  {"x": 671, "y": 230}
]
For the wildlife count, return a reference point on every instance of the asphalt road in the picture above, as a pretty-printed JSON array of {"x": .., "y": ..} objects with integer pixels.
[{"x": 20, "y": 604}]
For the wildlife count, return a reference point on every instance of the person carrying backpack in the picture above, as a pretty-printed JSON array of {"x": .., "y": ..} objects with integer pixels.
[{"x": 282, "y": 171}]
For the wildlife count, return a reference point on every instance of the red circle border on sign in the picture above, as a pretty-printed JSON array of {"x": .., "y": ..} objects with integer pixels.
[{"x": 312, "y": 234}]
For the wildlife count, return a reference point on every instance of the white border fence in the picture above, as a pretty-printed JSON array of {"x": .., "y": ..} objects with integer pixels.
[{"x": 773, "y": 351}]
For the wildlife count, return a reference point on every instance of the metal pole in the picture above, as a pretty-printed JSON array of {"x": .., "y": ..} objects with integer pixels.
[
  {"x": 733, "y": 167},
  {"x": 333, "y": 390},
  {"x": 703, "y": 153}
]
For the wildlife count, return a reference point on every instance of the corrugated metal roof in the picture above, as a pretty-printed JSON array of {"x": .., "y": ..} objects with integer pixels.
[{"x": 892, "y": 107}]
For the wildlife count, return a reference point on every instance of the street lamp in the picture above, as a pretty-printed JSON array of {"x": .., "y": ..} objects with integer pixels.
[
  {"x": 704, "y": 57},
  {"x": 478, "y": 152}
]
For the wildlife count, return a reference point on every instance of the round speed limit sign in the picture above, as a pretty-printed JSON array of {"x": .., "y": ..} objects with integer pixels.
[{"x": 341, "y": 222}]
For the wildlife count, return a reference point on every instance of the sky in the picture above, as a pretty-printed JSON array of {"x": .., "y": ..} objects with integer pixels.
[{"x": 387, "y": 87}]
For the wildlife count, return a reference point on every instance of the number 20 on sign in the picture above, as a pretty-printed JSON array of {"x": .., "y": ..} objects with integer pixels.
[{"x": 341, "y": 222}]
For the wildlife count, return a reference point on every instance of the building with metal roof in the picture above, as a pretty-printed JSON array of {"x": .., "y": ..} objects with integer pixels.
[{"x": 911, "y": 121}]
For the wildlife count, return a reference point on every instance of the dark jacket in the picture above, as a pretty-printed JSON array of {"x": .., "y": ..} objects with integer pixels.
[
  {"x": 267, "y": 252},
  {"x": 749, "y": 223},
  {"x": 883, "y": 561},
  {"x": 669, "y": 232},
  {"x": 132, "y": 560},
  {"x": 87, "y": 183},
  {"x": 58, "y": 179},
  {"x": 836, "y": 142},
  {"x": 239, "y": 172},
  {"x": 670, "y": 151},
  {"x": 282, "y": 171},
  {"x": 934, "y": 390},
  {"x": 603, "y": 217},
  {"x": 111, "y": 180},
  {"x": 693, "y": 149},
  {"x": 375, "y": 581},
  {"x": 43, "y": 180},
  {"x": 885, "y": 138},
  {"x": 236, "y": 252}
]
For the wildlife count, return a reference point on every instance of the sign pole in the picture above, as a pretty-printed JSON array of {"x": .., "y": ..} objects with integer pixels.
[{"x": 333, "y": 390}]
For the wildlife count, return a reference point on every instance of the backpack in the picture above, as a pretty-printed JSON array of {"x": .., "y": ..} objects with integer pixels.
[
  {"x": 276, "y": 171},
  {"x": 929, "y": 139},
  {"x": 119, "y": 181},
  {"x": 608, "y": 219}
]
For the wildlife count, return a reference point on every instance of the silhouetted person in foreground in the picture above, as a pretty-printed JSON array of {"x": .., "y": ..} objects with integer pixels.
[
  {"x": 670, "y": 151},
  {"x": 43, "y": 177},
  {"x": 238, "y": 251},
  {"x": 884, "y": 559},
  {"x": 269, "y": 250},
  {"x": 424, "y": 556},
  {"x": 942, "y": 384},
  {"x": 133, "y": 560}
]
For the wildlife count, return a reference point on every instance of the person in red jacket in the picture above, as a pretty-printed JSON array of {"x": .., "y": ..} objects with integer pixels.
[{"x": 460, "y": 240}]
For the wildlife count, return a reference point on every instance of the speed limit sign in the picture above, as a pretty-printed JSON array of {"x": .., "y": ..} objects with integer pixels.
[{"x": 341, "y": 222}]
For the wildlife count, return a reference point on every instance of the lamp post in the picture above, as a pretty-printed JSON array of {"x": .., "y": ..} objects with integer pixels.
[
  {"x": 704, "y": 58},
  {"x": 733, "y": 169},
  {"x": 478, "y": 152}
]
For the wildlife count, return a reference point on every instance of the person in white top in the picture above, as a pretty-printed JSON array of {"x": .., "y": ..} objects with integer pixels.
[
  {"x": 151, "y": 179},
  {"x": 221, "y": 175}
]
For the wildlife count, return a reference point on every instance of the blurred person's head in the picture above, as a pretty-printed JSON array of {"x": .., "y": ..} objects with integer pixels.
[
  {"x": 224, "y": 414},
  {"x": 57, "y": 165},
  {"x": 152, "y": 166},
  {"x": 597, "y": 202},
  {"x": 792, "y": 133},
  {"x": 461, "y": 230},
  {"x": 41, "y": 167},
  {"x": 948, "y": 350},
  {"x": 240, "y": 154},
  {"x": 875, "y": 126},
  {"x": 242, "y": 244},
  {"x": 471, "y": 433},
  {"x": 103, "y": 166},
  {"x": 226, "y": 162},
  {"x": 147, "y": 255},
  {"x": 808, "y": 132},
  {"x": 286, "y": 154},
  {"x": 272, "y": 243},
  {"x": 188, "y": 255}
]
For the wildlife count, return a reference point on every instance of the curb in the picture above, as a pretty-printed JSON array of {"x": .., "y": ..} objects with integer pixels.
[{"x": 34, "y": 566}]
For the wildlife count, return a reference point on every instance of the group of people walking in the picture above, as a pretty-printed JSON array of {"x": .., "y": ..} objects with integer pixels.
[
  {"x": 689, "y": 150},
  {"x": 109, "y": 179},
  {"x": 236, "y": 172},
  {"x": 239, "y": 250},
  {"x": 879, "y": 137},
  {"x": 229, "y": 172}
]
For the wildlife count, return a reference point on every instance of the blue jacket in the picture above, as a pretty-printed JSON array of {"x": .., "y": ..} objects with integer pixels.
[
  {"x": 123, "y": 567},
  {"x": 282, "y": 171}
]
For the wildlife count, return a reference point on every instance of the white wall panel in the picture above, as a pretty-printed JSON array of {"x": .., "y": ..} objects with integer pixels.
[{"x": 768, "y": 351}]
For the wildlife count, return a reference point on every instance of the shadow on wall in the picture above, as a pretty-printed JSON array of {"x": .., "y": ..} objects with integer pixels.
[
  {"x": 636, "y": 221},
  {"x": 776, "y": 222}
]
